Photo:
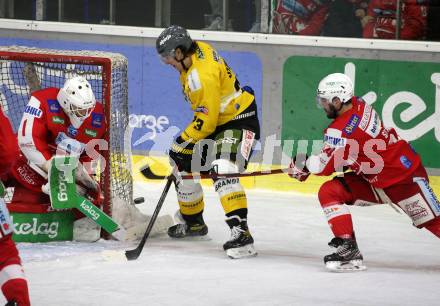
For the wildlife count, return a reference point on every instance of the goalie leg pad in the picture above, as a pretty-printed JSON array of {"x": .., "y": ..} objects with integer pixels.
[
  {"x": 161, "y": 226},
  {"x": 86, "y": 230}
]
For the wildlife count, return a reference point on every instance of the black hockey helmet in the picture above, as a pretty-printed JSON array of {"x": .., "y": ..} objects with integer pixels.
[{"x": 172, "y": 38}]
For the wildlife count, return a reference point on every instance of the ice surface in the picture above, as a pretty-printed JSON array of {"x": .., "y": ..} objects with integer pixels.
[{"x": 291, "y": 237}]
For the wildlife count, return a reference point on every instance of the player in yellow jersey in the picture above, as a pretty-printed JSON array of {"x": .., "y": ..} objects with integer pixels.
[{"x": 225, "y": 114}]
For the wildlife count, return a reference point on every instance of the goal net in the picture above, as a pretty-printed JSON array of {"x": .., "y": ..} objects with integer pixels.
[{"x": 24, "y": 70}]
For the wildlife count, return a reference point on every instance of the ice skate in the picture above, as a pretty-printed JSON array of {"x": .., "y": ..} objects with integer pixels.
[
  {"x": 185, "y": 229},
  {"x": 347, "y": 257},
  {"x": 241, "y": 243}
]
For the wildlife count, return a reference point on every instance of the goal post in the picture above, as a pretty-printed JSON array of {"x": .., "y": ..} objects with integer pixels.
[{"x": 24, "y": 70}]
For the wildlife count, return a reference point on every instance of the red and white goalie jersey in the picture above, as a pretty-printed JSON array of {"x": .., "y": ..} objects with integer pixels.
[
  {"x": 45, "y": 128},
  {"x": 358, "y": 140}
]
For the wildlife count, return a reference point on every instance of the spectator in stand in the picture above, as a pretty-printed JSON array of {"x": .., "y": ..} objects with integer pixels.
[
  {"x": 344, "y": 18},
  {"x": 380, "y": 21},
  {"x": 302, "y": 17},
  {"x": 214, "y": 21}
]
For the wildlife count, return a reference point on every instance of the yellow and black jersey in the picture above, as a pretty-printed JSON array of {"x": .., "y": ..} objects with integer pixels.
[{"x": 213, "y": 91}]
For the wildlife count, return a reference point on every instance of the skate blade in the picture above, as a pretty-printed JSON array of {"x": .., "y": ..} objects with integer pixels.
[
  {"x": 193, "y": 238},
  {"x": 351, "y": 266},
  {"x": 242, "y": 252}
]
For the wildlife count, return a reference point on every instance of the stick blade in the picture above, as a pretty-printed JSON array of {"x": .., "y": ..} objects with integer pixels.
[
  {"x": 147, "y": 173},
  {"x": 132, "y": 254}
]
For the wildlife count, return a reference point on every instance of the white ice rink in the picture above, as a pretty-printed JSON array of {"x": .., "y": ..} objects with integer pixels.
[{"x": 291, "y": 236}]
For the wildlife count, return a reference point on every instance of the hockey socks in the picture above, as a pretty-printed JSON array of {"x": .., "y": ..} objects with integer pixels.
[
  {"x": 14, "y": 285},
  {"x": 339, "y": 219}
]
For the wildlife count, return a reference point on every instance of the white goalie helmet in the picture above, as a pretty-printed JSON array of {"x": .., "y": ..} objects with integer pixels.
[
  {"x": 77, "y": 100},
  {"x": 335, "y": 85}
]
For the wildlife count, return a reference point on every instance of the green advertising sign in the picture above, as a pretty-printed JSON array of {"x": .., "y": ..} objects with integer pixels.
[
  {"x": 405, "y": 94},
  {"x": 52, "y": 226}
]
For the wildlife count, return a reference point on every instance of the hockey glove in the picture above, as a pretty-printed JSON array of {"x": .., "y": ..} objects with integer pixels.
[
  {"x": 298, "y": 169},
  {"x": 181, "y": 154}
]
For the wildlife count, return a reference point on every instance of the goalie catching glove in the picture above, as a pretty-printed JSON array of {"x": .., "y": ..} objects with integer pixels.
[
  {"x": 181, "y": 154},
  {"x": 298, "y": 169}
]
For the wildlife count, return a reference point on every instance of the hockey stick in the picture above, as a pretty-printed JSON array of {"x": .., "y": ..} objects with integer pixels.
[
  {"x": 149, "y": 174},
  {"x": 134, "y": 254}
]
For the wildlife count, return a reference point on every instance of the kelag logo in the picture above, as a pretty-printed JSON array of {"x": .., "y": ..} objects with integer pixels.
[
  {"x": 405, "y": 94},
  {"x": 53, "y": 226}
]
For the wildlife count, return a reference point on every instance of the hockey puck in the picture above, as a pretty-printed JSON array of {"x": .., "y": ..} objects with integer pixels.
[{"x": 139, "y": 200}]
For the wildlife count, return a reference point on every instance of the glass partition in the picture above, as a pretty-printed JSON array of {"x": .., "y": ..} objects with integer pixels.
[{"x": 382, "y": 19}]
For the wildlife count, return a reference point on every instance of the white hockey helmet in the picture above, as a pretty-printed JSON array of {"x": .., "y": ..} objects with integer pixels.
[
  {"x": 335, "y": 85},
  {"x": 77, "y": 100}
]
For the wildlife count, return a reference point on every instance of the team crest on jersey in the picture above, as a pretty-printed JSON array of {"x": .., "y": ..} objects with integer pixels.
[
  {"x": 72, "y": 131},
  {"x": 96, "y": 120},
  {"x": 54, "y": 106},
  {"x": 352, "y": 124},
  {"x": 90, "y": 133},
  {"x": 33, "y": 111},
  {"x": 202, "y": 109},
  {"x": 57, "y": 120}
]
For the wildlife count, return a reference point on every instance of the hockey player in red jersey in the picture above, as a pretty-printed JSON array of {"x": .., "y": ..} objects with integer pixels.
[
  {"x": 384, "y": 169},
  {"x": 56, "y": 120},
  {"x": 12, "y": 280}
]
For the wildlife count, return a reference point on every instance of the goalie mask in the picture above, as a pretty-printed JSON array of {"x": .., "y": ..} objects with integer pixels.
[
  {"x": 77, "y": 100},
  {"x": 335, "y": 85}
]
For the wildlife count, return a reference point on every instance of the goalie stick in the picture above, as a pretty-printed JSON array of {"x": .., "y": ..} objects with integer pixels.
[
  {"x": 134, "y": 254},
  {"x": 149, "y": 174}
]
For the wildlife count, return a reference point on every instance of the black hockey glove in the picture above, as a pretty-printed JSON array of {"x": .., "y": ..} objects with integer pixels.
[{"x": 181, "y": 153}]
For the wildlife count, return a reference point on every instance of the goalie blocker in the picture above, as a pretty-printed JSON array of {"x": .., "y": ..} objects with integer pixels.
[{"x": 64, "y": 195}]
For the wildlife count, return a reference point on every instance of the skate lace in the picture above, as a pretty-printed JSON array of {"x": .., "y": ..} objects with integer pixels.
[
  {"x": 236, "y": 232},
  {"x": 346, "y": 250},
  {"x": 181, "y": 229}
]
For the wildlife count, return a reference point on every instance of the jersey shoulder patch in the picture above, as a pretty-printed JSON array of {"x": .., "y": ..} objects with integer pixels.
[
  {"x": 193, "y": 79},
  {"x": 33, "y": 108}
]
